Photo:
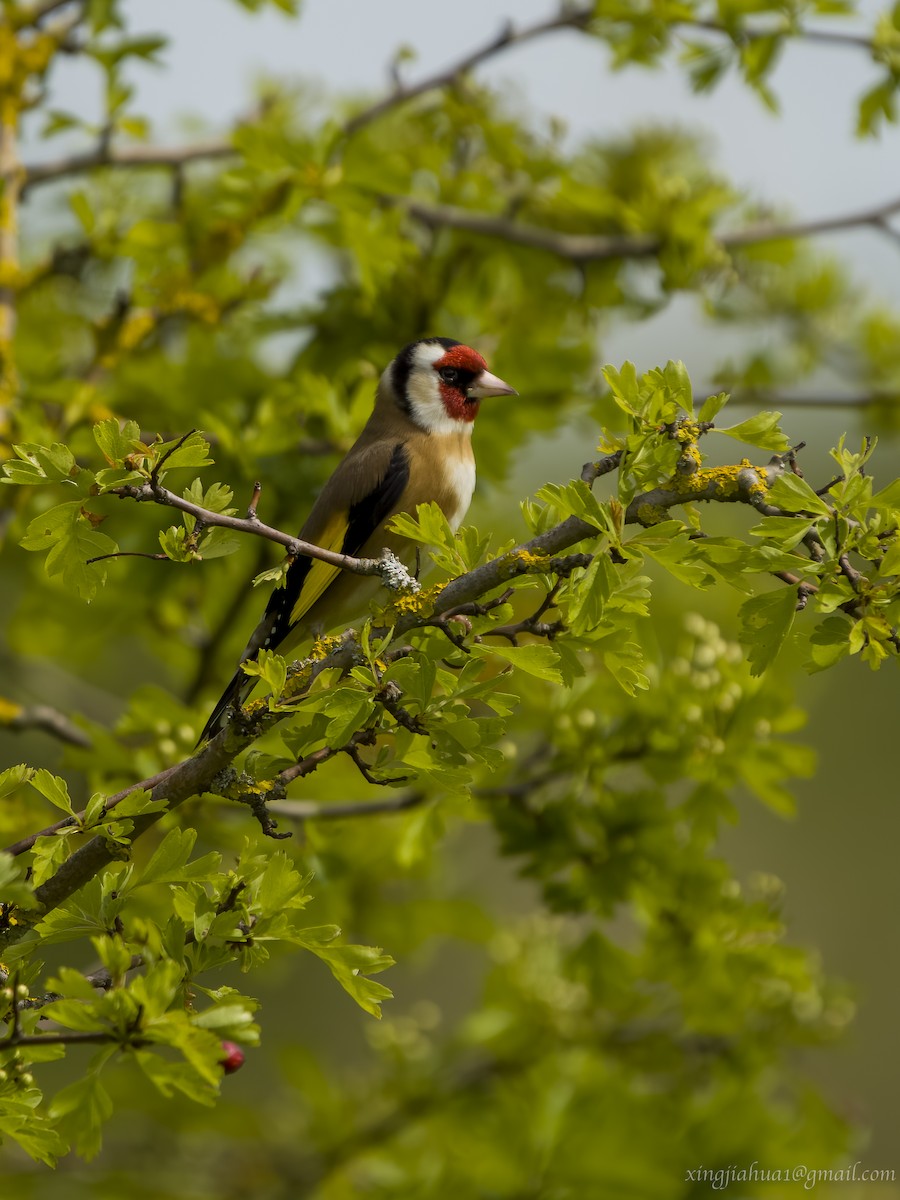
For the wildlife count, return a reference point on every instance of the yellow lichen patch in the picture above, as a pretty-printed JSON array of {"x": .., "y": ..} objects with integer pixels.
[
  {"x": 762, "y": 485},
  {"x": 415, "y": 603},
  {"x": 718, "y": 483},
  {"x": 323, "y": 646},
  {"x": 650, "y": 514},
  {"x": 690, "y": 460},
  {"x": 531, "y": 559},
  {"x": 296, "y": 685},
  {"x": 687, "y": 431}
]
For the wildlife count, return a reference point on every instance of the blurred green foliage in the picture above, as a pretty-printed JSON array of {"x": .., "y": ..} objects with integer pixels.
[{"x": 644, "y": 1018}]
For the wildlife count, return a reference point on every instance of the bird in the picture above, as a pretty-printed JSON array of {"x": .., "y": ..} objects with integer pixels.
[{"x": 416, "y": 447}]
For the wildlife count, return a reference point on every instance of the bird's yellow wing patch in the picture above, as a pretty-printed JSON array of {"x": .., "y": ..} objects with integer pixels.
[{"x": 321, "y": 574}]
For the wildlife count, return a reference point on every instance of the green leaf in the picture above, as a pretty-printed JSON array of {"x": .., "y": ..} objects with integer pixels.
[
  {"x": 14, "y": 889},
  {"x": 576, "y": 499},
  {"x": 350, "y": 965},
  {"x": 429, "y": 526},
  {"x": 349, "y": 711},
  {"x": 271, "y": 668},
  {"x": 712, "y": 406},
  {"x": 193, "y": 452},
  {"x": 888, "y": 498},
  {"x": 765, "y": 623},
  {"x": 54, "y": 789},
  {"x": 624, "y": 387},
  {"x": 13, "y": 778},
  {"x": 41, "y": 464},
  {"x": 794, "y": 494},
  {"x": 788, "y": 532},
  {"x": 670, "y": 545},
  {"x": 540, "y": 661},
  {"x": 280, "y": 886},
  {"x": 117, "y": 441},
  {"x": 80, "y": 1111},
  {"x": 169, "y": 862},
  {"x": 761, "y": 430},
  {"x": 890, "y": 564},
  {"x": 70, "y": 540},
  {"x": 876, "y": 105}
]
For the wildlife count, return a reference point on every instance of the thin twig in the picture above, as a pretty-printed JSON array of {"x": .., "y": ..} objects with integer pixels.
[
  {"x": 582, "y": 248},
  {"x": 828, "y": 37},
  {"x": 154, "y": 474},
  {"x": 129, "y": 554},
  {"x": 568, "y": 18},
  {"x": 73, "y": 1038},
  {"x": 311, "y": 810},
  {"x": 508, "y": 37},
  {"x": 388, "y": 567},
  {"x": 49, "y": 720},
  {"x": 171, "y": 157}
]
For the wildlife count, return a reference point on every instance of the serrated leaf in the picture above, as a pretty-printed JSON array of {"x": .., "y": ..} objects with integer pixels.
[
  {"x": 169, "y": 861},
  {"x": 624, "y": 387},
  {"x": 54, "y": 789},
  {"x": 540, "y": 661},
  {"x": 117, "y": 441},
  {"x": 890, "y": 564},
  {"x": 271, "y": 668},
  {"x": 14, "y": 888},
  {"x": 888, "y": 498},
  {"x": 43, "y": 464},
  {"x": 193, "y": 452},
  {"x": 70, "y": 541},
  {"x": 349, "y": 710},
  {"x": 765, "y": 623},
  {"x": 794, "y": 494},
  {"x": 712, "y": 406},
  {"x": 13, "y": 778},
  {"x": 788, "y": 532},
  {"x": 350, "y": 965},
  {"x": 80, "y": 1111},
  {"x": 761, "y": 430}
]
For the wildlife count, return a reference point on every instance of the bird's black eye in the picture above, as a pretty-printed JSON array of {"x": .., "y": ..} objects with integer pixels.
[{"x": 449, "y": 374}]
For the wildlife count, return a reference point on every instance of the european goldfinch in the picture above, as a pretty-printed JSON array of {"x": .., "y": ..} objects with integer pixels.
[{"x": 415, "y": 448}]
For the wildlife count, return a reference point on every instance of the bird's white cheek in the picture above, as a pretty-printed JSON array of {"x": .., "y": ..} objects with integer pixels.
[
  {"x": 461, "y": 477},
  {"x": 427, "y": 408}
]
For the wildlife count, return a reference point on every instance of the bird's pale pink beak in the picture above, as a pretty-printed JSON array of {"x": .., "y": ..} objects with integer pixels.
[{"x": 487, "y": 384}]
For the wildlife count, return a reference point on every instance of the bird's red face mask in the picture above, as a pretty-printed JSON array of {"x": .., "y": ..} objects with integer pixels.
[{"x": 463, "y": 379}]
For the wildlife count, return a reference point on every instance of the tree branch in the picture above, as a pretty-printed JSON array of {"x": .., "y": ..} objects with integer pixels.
[
  {"x": 580, "y": 248},
  {"x": 43, "y": 717},
  {"x": 389, "y": 568},
  {"x": 569, "y": 18},
  {"x": 508, "y": 37},
  {"x": 104, "y": 155},
  {"x": 310, "y": 810},
  {"x": 827, "y": 37}
]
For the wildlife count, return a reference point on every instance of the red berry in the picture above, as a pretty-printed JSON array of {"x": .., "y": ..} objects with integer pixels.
[{"x": 233, "y": 1058}]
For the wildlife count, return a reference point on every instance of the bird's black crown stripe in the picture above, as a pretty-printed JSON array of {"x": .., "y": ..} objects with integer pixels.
[{"x": 403, "y": 366}]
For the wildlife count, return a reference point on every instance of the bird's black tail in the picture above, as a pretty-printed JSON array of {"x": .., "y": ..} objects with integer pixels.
[{"x": 234, "y": 695}]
